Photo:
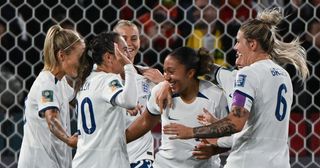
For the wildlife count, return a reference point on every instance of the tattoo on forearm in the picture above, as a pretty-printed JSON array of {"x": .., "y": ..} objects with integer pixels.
[
  {"x": 56, "y": 128},
  {"x": 220, "y": 128}
]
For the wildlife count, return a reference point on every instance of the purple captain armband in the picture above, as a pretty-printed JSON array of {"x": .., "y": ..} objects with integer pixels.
[
  {"x": 241, "y": 99},
  {"x": 238, "y": 99}
]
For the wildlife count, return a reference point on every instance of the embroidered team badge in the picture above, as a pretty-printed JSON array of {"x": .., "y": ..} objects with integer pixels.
[
  {"x": 47, "y": 96},
  {"x": 114, "y": 85},
  {"x": 145, "y": 87},
  {"x": 240, "y": 80}
]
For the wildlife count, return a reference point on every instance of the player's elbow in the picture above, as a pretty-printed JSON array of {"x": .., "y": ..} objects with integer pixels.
[
  {"x": 239, "y": 117},
  {"x": 128, "y": 136},
  {"x": 131, "y": 104},
  {"x": 239, "y": 126},
  {"x": 125, "y": 101}
]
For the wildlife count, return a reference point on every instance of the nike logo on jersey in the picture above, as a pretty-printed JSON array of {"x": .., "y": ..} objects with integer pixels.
[{"x": 172, "y": 118}]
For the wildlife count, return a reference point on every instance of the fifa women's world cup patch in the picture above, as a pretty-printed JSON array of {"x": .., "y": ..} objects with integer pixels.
[
  {"x": 240, "y": 81},
  {"x": 114, "y": 85},
  {"x": 47, "y": 96}
]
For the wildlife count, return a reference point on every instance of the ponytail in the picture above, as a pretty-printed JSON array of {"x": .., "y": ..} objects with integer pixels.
[
  {"x": 205, "y": 61},
  {"x": 263, "y": 29},
  {"x": 58, "y": 39},
  {"x": 49, "y": 50},
  {"x": 94, "y": 53},
  {"x": 86, "y": 63},
  {"x": 200, "y": 60}
]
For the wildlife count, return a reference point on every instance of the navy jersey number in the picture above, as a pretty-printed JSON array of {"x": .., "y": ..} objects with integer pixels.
[
  {"x": 281, "y": 112},
  {"x": 83, "y": 116}
]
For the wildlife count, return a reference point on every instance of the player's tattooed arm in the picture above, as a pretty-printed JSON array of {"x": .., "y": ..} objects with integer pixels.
[
  {"x": 221, "y": 128},
  {"x": 233, "y": 123},
  {"x": 55, "y": 126}
]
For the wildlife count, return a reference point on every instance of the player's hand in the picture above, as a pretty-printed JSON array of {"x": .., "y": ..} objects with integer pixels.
[
  {"x": 73, "y": 140},
  {"x": 136, "y": 110},
  {"x": 204, "y": 150},
  {"x": 153, "y": 75},
  {"x": 206, "y": 118},
  {"x": 163, "y": 96},
  {"x": 212, "y": 141},
  {"x": 178, "y": 130},
  {"x": 122, "y": 57}
]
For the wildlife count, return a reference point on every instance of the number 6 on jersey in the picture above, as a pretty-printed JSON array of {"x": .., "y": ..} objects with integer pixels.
[{"x": 281, "y": 112}]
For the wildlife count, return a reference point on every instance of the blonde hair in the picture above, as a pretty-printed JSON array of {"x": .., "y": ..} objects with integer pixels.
[
  {"x": 263, "y": 29},
  {"x": 58, "y": 39},
  {"x": 128, "y": 23}
]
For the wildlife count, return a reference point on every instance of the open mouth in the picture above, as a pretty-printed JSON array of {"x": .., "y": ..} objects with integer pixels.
[
  {"x": 130, "y": 50},
  {"x": 238, "y": 54},
  {"x": 172, "y": 84}
]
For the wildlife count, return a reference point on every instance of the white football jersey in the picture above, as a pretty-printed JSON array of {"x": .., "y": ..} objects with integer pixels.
[
  {"x": 141, "y": 148},
  {"x": 178, "y": 153},
  {"x": 41, "y": 148},
  {"x": 225, "y": 79},
  {"x": 265, "y": 90},
  {"x": 101, "y": 124}
]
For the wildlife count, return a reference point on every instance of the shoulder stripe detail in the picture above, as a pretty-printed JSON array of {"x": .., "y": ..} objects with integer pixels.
[
  {"x": 42, "y": 111},
  {"x": 56, "y": 80},
  {"x": 175, "y": 95},
  {"x": 199, "y": 95},
  {"x": 152, "y": 113},
  {"x": 202, "y": 95},
  {"x": 113, "y": 98}
]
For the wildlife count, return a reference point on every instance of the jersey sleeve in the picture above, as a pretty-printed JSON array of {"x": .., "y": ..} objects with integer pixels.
[
  {"x": 221, "y": 109},
  {"x": 225, "y": 79},
  {"x": 152, "y": 106},
  {"x": 128, "y": 98},
  {"x": 46, "y": 95},
  {"x": 225, "y": 142},
  {"x": 121, "y": 95},
  {"x": 245, "y": 88},
  {"x": 112, "y": 87}
]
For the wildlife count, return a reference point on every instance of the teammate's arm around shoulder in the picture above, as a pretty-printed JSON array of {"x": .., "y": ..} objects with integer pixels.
[
  {"x": 227, "y": 126},
  {"x": 144, "y": 123},
  {"x": 55, "y": 126}
]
